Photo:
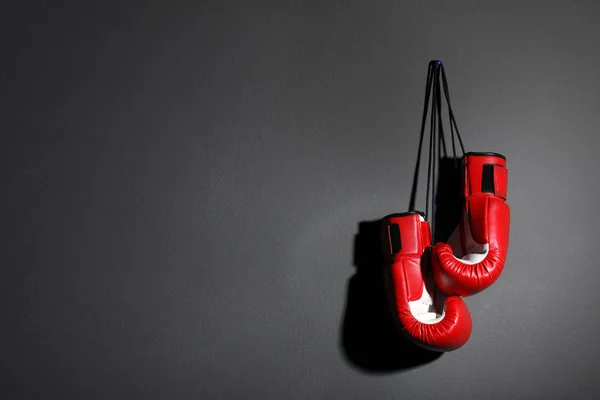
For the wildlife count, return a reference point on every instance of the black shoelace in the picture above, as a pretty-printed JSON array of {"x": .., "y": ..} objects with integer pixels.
[{"x": 436, "y": 82}]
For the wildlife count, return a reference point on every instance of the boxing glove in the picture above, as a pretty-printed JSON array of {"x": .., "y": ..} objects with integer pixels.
[
  {"x": 424, "y": 314},
  {"x": 474, "y": 256}
]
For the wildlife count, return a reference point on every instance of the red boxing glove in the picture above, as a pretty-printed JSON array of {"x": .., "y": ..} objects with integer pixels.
[
  {"x": 428, "y": 317},
  {"x": 474, "y": 257}
]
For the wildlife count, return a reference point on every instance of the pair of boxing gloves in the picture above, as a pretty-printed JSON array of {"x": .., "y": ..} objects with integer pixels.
[{"x": 425, "y": 283}]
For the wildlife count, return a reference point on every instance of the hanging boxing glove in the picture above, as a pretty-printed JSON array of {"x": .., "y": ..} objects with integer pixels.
[
  {"x": 425, "y": 315},
  {"x": 474, "y": 256}
]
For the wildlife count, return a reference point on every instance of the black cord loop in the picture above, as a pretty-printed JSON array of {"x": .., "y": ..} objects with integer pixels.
[{"x": 436, "y": 83}]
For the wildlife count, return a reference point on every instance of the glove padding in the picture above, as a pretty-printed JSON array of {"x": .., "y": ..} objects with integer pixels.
[
  {"x": 474, "y": 256},
  {"x": 424, "y": 314}
]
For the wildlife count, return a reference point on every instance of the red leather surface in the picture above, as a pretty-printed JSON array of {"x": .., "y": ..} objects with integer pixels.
[
  {"x": 405, "y": 278},
  {"x": 473, "y": 173},
  {"x": 451, "y": 333},
  {"x": 415, "y": 238},
  {"x": 488, "y": 217}
]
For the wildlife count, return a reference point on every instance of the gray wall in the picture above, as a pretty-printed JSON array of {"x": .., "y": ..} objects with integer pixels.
[{"x": 181, "y": 185}]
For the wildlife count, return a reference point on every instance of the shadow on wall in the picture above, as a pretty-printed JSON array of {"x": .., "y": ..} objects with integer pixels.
[
  {"x": 449, "y": 199},
  {"x": 370, "y": 340}
]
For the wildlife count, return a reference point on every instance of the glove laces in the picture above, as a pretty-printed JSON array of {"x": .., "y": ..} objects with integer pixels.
[{"x": 435, "y": 84}]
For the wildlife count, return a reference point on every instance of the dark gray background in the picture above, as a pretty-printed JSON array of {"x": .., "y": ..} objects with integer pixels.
[{"x": 181, "y": 184}]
